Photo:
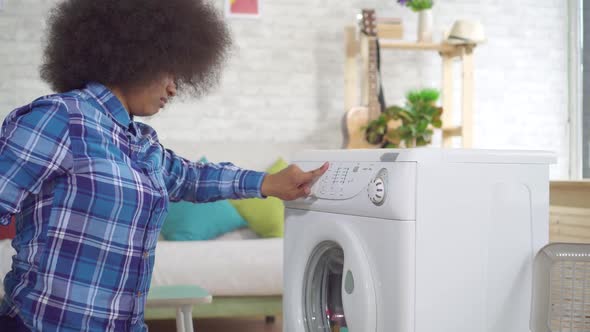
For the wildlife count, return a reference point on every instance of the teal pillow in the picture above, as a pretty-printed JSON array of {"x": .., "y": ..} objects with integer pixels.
[{"x": 188, "y": 221}]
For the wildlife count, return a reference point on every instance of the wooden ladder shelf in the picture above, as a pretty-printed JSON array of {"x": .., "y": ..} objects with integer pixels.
[{"x": 354, "y": 46}]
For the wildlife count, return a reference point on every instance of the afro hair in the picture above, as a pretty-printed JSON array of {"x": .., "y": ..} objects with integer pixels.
[{"x": 131, "y": 43}]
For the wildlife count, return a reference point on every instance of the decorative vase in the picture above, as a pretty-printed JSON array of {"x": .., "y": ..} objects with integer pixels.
[{"x": 425, "y": 26}]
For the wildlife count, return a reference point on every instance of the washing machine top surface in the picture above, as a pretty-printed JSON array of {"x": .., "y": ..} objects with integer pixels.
[
  {"x": 430, "y": 155},
  {"x": 382, "y": 183}
]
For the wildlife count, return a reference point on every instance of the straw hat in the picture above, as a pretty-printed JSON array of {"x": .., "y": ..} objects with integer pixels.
[{"x": 466, "y": 32}]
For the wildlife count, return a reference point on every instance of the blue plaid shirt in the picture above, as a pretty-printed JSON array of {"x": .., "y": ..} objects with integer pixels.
[{"x": 90, "y": 189}]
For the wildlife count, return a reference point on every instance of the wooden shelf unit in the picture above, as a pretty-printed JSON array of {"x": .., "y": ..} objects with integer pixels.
[
  {"x": 356, "y": 46},
  {"x": 406, "y": 45},
  {"x": 569, "y": 218}
]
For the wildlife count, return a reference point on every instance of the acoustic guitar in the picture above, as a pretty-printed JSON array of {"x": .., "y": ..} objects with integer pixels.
[{"x": 357, "y": 118}]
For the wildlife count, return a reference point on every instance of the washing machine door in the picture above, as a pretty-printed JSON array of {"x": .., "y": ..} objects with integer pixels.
[{"x": 338, "y": 292}]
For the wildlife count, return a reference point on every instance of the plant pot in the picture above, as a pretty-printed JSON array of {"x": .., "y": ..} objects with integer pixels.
[{"x": 425, "y": 26}]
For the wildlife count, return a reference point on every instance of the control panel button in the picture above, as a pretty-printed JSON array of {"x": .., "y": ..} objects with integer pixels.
[
  {"x": 343, "y": 180},
  {"x": 377, "y": 189}
]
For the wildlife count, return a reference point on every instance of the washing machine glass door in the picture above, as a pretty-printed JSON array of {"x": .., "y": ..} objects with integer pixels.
[{"x": 330, "y": 295}]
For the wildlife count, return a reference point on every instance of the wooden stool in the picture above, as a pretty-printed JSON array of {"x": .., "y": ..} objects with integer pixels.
[{"x": 182, "y": 297}]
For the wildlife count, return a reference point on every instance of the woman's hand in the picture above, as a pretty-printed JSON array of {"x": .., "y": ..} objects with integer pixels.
[{"x": 291, "y": 183}]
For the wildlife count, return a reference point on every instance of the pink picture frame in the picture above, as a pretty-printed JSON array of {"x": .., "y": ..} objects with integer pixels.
[{"x": 242, "y": 8}]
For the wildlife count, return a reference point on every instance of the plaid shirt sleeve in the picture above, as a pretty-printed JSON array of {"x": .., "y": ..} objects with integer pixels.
[
  {"x": 34, "y": 148},
  {"x": 207, "y": 182}
]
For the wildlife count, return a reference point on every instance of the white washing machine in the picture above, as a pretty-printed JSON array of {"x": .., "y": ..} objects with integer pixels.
[{"x": 418, "y": 240}]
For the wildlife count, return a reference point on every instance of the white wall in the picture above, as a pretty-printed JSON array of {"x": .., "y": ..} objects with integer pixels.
[{"x": 284, "y": 83}]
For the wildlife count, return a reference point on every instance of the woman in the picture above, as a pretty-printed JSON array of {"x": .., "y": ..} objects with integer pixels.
[{"x": 90, "y": 186}]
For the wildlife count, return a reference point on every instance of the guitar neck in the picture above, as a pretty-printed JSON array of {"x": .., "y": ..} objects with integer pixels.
[
  {"x": 373, "y": 80},
  {"x": 368, "y": 29}
]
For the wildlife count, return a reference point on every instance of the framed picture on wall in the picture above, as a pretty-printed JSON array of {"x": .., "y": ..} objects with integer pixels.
[{"x": 242, "y": 8}]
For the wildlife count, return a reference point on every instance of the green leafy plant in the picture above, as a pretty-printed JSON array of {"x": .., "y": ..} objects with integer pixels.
[
  {"x": 415, "y": 120},
  {"x": 417, "y": 5}
]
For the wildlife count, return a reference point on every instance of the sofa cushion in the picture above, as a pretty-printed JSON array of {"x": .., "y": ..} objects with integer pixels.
[
  {"x": 266, "y": 216},
  {"x": 239, "y": 234},
  {"x": 223, "y": 268},
  {"x": 188, "y": 221}
]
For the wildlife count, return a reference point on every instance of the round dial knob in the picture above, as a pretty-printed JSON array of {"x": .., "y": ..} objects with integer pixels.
[{"x": 377, "y": 190}]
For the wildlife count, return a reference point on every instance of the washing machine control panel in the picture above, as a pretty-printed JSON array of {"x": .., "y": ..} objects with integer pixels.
[
  {"x": 343, "y": 180},
  {"x": 385, "y": 190}
]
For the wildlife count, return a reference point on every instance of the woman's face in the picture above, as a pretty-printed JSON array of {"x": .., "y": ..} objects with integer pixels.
[{"x": 149, "y": 99}]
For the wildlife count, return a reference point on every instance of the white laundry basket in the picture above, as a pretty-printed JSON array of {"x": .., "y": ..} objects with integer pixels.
[{"x": 561, "y": 289}]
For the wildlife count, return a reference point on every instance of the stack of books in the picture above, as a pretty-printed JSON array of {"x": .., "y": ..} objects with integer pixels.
[{"x": 390, "y": 28}]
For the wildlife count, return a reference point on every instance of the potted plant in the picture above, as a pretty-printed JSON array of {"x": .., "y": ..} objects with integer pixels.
[
  {"x": 424, "y": 10},
  {"x": 413, "y": 122}
]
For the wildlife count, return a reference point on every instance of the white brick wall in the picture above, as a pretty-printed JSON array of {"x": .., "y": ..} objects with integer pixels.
[{"x": 285, "y": 80}]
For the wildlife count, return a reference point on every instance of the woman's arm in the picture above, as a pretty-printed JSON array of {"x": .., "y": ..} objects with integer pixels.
[{"x": 206, "y": 182}]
